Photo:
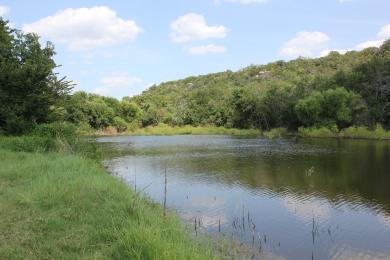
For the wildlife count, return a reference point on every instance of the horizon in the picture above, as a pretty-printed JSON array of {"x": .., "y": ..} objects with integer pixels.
[{"x": 119, "y": 49}]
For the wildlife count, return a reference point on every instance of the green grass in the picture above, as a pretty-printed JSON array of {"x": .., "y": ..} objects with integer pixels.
[
  {"x": 163, "y": 129},
  {"x": 276, "y": 133},
  {"x": 354, "y": 132},
  {"x": 64, "y": 206}
]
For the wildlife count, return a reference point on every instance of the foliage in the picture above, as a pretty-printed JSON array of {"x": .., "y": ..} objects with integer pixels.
[
  {"x": 329, "y": 107},
  {"x": 163, "y": 129},
  {"x": 29, "y": 89},
  {"x": 276, "y": 133},
  {"x": 349, "y": 89},
  {"x": 320, "y": 132},
  {"x": 361, "y": 132},
  {"x": 343, "y": 90},
  {"x": 54, "y": 137}
]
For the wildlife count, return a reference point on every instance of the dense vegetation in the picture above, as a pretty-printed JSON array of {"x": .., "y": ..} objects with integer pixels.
[
  {"x": 30, "y": 92},
  {"x": 335, "y": 92}
]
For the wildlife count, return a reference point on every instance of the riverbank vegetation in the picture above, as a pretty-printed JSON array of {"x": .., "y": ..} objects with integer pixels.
[
  {"x": 353, "y": 132},
  {"x": 163, "y": 129},
  {"x": 58, "y": 202},
  {"x": 333, "y": 92}
]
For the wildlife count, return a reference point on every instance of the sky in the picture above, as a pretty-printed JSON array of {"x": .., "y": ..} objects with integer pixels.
[{"x": 120, "y": 48}]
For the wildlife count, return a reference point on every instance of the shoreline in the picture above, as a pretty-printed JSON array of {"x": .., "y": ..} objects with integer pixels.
[
  {"x": 61, "y": 204},
  {"x": 354, "y": 132}
]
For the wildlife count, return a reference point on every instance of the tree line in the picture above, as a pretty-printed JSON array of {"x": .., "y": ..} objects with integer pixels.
[{"x": 336, "y": 91}]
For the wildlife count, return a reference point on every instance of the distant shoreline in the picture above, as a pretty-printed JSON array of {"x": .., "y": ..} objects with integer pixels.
[{"x": 353, "y": 132}]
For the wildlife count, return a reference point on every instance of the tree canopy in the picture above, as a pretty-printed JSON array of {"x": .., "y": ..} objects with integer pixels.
[{"x": 30, "y": 91}]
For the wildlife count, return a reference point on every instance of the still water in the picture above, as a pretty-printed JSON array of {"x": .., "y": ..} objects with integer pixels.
[{"x": 294, "y": 198}]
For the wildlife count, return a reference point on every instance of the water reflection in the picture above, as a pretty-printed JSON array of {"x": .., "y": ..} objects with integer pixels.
[{"x": 321, "y": 198}]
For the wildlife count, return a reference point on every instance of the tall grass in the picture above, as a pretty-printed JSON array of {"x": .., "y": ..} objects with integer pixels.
[
  {"x": 163, "y": 129},
  {"x": 57, "y": 206},
  {"x": 276, "y": 133},
  {"x": 356, "y": 132},
  {"x": 55, "y": 137}
]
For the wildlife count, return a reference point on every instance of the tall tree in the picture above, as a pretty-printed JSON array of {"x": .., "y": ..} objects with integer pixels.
[{"x": 29, "y": 88}]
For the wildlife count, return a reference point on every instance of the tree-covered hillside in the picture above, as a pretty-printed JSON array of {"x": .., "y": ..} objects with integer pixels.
[
  {"x": 342, "y": 90},
  {"x": 336, "y": 91}
]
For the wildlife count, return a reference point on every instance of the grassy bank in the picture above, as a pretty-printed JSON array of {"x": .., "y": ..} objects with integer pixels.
[
  {"x": 356, "y": 132},
  {"x": 180, "y": 130},
  {"x": 353, "y": 132},
  {"x": 60, "y": 205}
]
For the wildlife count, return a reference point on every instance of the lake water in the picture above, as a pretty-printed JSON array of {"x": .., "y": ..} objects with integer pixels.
[{"x": 294, "y": 198}]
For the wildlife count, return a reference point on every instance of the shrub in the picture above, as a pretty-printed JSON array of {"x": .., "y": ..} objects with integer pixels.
[
  {"x": 276, "y": 133},
  {"x": 120, "y": 124},
  {"x": 364, "y": 132},
  {"x": 27, "y": 144},
  {"x": 318, "y": 132},
  {"x": 58, "y": 130}
]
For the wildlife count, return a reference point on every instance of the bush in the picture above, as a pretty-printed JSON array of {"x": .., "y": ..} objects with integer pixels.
[
  {"x": 63, "y": 131},
  {"x": 36, "y": 144},
  {"x": 318, "y": 132},
  {"x": 364, "y": 132},
  {"x": 276, "y": 133},
  {"x": 120, "y": 124},
  {"x": 54, "y": 137}
]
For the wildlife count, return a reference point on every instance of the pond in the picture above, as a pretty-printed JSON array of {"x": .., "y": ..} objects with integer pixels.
[{"x": 291, "y": 198}]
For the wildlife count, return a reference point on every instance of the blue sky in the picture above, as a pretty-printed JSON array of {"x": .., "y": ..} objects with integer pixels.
[{"x": 119, "y": 48}]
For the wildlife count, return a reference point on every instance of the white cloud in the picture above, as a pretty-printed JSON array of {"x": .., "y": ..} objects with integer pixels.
[
  {"x": 245, "y": 2},
  {"x": 85, "y": 28},
  {"x": 193, "y": 27},
  {"x": 4, "y": 10},
  {"x": 344, "y": 1},
  {"x": 384, "y": 32},
  {"x": 117, "y": 83},
  {"x": 367, "y": 44},
  {"x": 383, "y": 35},
  {"x": 304, "y": 44},
  {"x": 207, "y": 49}
]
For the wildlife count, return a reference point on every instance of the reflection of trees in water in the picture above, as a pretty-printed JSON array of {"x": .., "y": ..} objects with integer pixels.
[{"x": 356, "y": 173}]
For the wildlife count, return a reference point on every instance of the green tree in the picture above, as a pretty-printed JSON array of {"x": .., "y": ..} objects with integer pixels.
[
  {"x": 129, "y": 110},
  {"x": 333, "y": 106},
  {"x": 29, "y": 89}
]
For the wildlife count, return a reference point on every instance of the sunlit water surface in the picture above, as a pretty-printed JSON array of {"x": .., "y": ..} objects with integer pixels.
[{"x": 294, "y": 198}]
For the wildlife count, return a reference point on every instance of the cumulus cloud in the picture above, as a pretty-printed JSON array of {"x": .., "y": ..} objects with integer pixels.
[
  {"x": 245, "y": 2},
  {"x": 207, "y": 49},
  {"x": 384, "y": 33},
  {"x": 4, "y": 10},
  {"x": 85, "y": 28},
  {"x": 193, "y": 27},
  {"x": 304, "y": 44},
  {"x": 117, "y": 83},
  {"x": 367, "y": 44}
]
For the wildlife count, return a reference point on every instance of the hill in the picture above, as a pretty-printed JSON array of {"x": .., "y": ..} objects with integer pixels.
[{"x": 342, "y": 90}]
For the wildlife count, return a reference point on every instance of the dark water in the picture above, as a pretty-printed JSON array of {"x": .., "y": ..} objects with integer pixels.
[{"x": 302, "y": 198}]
